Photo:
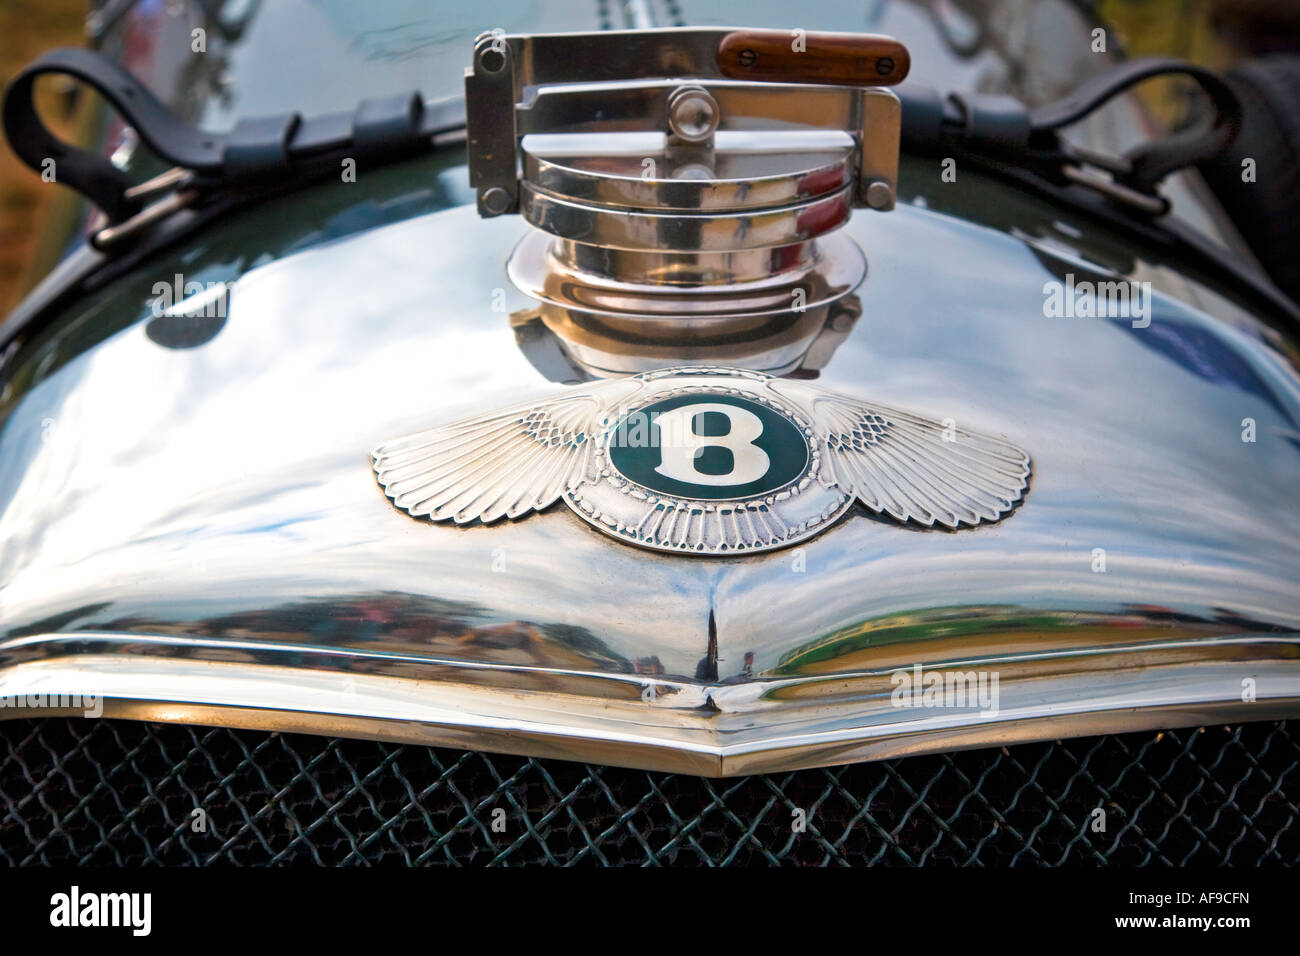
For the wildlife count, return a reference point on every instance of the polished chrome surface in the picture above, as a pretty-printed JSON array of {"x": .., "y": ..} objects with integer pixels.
[
  {"x": 615, "y": 81},
  {"x": 619, "y": 311},
  {"x": 188, "y": 524},
  {"x": 671, "y": 205},
  {"x": 197, "y": 533},
  {"x": 757, "y": 727},
  {"x": 642, "y": 106},
  {"x": 742, "y": 170},
  {"x": 512, "y": 462},
  {"x": 599, "y": 346},
  {"x": 642, "y": 285},
  {"x": 680, "y": 232}
]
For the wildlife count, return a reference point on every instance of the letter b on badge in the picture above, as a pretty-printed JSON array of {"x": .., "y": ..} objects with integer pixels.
[{"x": 680, "y": 445}]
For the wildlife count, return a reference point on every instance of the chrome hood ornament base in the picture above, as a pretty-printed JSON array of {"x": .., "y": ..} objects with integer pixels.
[
  {"x": 686, "y": 200},
  {"x": 708, "y": 461}
]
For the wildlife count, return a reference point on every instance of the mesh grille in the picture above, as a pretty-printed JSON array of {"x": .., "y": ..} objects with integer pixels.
[{"x": 119, "y": 792}]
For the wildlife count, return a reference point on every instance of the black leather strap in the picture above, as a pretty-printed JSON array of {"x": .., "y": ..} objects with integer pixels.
[
  {"x": 1150, "y": 163},
  {"x": 257, "y": 149},
  {"x": 377, "y": 122},
  {"x": 1010, "y": 133},
  {"x": 258, "y": 145},
  {"x": 94, "y": 176},
  {"x": 994, "y": 120}
]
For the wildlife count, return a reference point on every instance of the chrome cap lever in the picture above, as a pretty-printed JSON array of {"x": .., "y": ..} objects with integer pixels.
[
  {"x": 685, "y": 186},
  {"x": 622, "y": 81}
]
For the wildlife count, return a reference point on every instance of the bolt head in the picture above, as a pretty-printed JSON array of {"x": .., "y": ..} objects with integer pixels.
[
  {"x": 492, "y": 60},
  {"x": 693, "y": 114},
  {"x": 880, "y": 196},
  {"x": 495, "y": 200}
]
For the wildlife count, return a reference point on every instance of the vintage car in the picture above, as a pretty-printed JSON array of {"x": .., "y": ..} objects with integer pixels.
[{"x": 866, "y": 403}]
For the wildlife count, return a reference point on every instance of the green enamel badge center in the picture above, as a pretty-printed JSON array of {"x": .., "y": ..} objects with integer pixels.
[{"x": 708, "y": 447}]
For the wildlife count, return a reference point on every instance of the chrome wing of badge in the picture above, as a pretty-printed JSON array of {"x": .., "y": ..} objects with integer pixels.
[
  {"x": 788, "y": 459},
  {"x": 505, "y": 464},
  {"x": 913, "y": 468}
]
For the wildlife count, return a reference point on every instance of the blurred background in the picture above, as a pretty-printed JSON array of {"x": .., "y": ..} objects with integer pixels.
[
  {"x": 27, "y": 28},
  {"x": 1216, "y": 33}
]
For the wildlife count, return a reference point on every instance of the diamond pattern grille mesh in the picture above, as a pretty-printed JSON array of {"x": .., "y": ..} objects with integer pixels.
[{"x": 117, "y": 792}]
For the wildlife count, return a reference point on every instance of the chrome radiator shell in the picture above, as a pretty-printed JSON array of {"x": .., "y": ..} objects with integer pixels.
[{"x": 196, "y": 534}]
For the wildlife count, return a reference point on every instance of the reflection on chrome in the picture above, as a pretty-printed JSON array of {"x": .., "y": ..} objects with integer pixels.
[{"x": 196, "y": 533}]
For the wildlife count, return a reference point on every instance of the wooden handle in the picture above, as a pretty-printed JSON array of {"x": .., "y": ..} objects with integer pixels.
[{"x": 798, "y": 56}]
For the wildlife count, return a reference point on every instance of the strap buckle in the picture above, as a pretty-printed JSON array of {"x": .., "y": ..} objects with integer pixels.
[
  {"x": 1105, "y": 174},
  {"x": 1002, "y": 133},
  {"x": 259, "y": 151},
  {"x": 176, "y": 188}
]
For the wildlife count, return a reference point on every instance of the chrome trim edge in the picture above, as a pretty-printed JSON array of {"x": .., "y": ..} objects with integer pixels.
[{"x": 720, "y": 729}]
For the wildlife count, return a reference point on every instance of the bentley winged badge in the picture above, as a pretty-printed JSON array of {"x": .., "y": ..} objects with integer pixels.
[{"x": 703, "y": 461}]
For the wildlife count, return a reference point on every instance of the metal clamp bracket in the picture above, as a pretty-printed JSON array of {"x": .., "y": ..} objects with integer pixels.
[{"x": 628, "y": 81}]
